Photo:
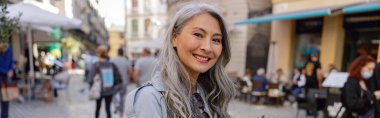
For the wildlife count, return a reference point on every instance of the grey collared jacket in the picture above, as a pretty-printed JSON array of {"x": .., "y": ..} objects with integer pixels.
[{"x": 148, "y": 101}]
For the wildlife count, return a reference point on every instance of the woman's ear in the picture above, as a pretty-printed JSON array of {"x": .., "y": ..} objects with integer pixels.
[{"x": 174, "y": 40}]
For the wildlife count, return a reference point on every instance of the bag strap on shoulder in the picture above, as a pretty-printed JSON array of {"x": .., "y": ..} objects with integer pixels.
[{"x": 138, "y": 89}]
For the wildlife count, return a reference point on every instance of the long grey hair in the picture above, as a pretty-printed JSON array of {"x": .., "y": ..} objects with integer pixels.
[{"x": 218, "y": 88}]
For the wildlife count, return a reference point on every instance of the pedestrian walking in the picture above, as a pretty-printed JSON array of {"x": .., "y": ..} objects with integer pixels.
[
  {"x": 144, "y": 67},
  {"x": 191, "y": 67},
  {"x": 110, "y": 80},
  {"x": 6, "y": 73},
  {"x": 124, "y": 66}
]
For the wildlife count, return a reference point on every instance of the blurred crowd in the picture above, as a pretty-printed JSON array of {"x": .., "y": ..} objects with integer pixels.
[{"x": 357, "y": 98}]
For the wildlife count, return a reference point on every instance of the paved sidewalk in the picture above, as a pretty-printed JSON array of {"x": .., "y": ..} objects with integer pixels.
[
  {"x": 71, "y": 103},
  {"x": 239, "y": 109}
]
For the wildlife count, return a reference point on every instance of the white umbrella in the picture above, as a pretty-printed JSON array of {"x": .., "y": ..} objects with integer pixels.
[
  {"x": 37, "y": 18},
  {"x": 33, "y": 15}
]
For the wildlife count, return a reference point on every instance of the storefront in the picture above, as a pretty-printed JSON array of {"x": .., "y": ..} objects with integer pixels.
[
  {"x": 307, "y": 40},
  {"x": 362, "y": 36},
  {"x": 339, "y": 31}
]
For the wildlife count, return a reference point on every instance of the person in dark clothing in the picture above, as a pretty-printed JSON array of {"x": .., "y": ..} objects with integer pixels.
[
  {"x": 110, "y": 80},
  {"x": 314, "y": 80},
  {"x": 373, "y": 85},
  {"x": 356, "y": 96},
  {"x": 312, "y": 72},
  {"x": 6, "y": 72},
  {"x": 260, "y": 78}
]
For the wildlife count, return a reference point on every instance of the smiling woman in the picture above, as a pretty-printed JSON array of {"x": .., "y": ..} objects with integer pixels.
[
  {"x": 198, "y": 45},
  {"x": 190, "y": 80}
]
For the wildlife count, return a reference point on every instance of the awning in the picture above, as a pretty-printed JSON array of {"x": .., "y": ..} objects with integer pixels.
[
  {"x": 286, "y": 16},
  {"x": 366, "y": 7},
  {"x": 33, "y": 15},
  {"x": 348, "y": 8},
  {"x": 42, "y": 37}
]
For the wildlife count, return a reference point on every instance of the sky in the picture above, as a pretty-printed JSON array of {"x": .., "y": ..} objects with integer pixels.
[{"x": 114, "y": 12}]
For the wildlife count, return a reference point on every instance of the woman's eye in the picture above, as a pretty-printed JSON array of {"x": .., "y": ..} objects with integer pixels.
[
  {"x": 218, "y": 41},
  {"x": 198, "y": 35}
]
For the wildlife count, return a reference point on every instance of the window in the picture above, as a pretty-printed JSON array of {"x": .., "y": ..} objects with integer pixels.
[
  {"x": 135, "y": 28},
  {"x": 147, "y": 24},
  {"x": 147, "y": 6},
  {"x": 307, "y": 40},
  {"x": 134, "y": 6}
]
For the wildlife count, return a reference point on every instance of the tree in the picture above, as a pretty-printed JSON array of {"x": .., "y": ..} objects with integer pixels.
[
  {"x": 7, "y": 24},
  {"x": 72, "y": 46}
]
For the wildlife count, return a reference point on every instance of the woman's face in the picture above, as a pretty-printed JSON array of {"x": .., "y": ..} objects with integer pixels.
[
  {"x": 369, "y": 67},
  {"x": 199, "y": 44}
]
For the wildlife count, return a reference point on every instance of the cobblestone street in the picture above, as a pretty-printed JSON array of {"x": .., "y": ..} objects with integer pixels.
[{"x": 71, "y": 103}]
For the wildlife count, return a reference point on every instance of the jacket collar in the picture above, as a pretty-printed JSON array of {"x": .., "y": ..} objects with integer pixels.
[
  {"x": 156, "y": 82},
  {"x": 158, "y": 85}
]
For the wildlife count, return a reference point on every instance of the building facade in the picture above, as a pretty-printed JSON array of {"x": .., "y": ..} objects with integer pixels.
[
  {"x": 116, "y": 40},
  {"x": 145, "y": 21},
  {"x": 338, "y": 37},
  {"x": 93, "y": 31}
]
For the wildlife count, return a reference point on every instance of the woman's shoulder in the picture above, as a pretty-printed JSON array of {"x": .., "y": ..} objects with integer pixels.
[
  {"x": 351, "y": 82},
  {"x": 145, "y": 92},
  {"x": 145, "y": 99},
  {"x": 152, "y": 89}
]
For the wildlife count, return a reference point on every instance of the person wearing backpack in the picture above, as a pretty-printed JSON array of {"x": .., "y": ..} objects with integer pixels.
[{"x": 110, "y": 80}]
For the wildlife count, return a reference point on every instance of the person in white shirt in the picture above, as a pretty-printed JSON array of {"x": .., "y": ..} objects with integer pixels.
[
  {"x": 299, "y": 81},
  {"x": 144, "y": 67}
]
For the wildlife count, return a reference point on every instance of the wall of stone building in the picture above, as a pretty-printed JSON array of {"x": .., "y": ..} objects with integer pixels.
[
  {"x": 258, "y": 36},
  {"x": 236, "y": 11},
  {"x": 92, "y": 23},
  {"x": 116, "y": 41},
  {"x": 151, "y": 18},
  {"x": 282, "y": 41}
]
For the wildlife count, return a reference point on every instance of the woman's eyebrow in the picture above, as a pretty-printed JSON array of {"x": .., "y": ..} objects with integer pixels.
[
  {"x": 204, "y": 31},
  {"x": 198, "y": 28},
  {"x": 218, "y": 34}
]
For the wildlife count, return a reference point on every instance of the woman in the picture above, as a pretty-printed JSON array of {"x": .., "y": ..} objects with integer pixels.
[
  {"x": 110, "y": 80},
  {"x": 356, "y": 97},
  {"x": 190, "y": 80}
]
